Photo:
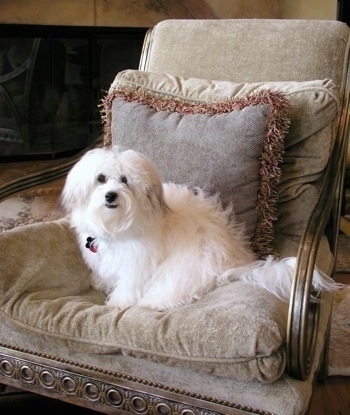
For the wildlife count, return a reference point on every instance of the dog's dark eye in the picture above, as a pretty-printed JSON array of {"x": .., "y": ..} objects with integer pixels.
[
  {"x": 101, "y": 178},
  {"x": 124, "y": 179}
]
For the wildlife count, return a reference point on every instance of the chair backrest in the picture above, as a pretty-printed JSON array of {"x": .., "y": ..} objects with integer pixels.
[
  {"x": 263, "y": 51},
  {"x": 250, "y": 50}
]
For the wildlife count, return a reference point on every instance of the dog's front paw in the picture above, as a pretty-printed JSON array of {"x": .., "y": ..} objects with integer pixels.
[{"x": 119, "y": 300}]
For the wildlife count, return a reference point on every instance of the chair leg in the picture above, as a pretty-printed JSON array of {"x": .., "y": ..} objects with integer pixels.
[{"x": 322, "y": 374}]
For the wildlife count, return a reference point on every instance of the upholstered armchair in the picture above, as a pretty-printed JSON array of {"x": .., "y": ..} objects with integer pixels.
[{"x": 239, "y": 349}]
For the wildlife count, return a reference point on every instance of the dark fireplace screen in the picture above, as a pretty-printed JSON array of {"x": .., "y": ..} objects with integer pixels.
[{"x": 51, "y": 83}]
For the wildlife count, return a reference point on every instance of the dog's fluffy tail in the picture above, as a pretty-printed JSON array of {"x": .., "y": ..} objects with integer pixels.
[{"x": 276, "y": 276}]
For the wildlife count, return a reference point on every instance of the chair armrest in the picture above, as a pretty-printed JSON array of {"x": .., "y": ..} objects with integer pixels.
[
  {"x": 16, "y": 177},
  {"x": 303, "y": 314}
]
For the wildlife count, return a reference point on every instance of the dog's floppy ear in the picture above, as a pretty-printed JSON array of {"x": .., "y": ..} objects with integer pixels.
[
  {"x": 80, "y": 180},
  {"x": 156, "y": 197},
  {"x": 152, "y": 187}
]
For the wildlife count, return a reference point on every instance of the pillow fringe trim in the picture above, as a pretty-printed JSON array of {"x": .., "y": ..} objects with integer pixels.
[{"x": 278, "y": 123}]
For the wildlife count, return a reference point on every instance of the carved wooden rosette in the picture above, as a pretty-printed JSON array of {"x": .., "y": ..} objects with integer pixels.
[{"x": 105, "y": 391}]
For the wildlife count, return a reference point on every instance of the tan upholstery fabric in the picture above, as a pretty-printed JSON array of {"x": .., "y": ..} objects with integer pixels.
[
  {"x": 266, "y": 50},
  {"x": 45, "y": 292},
  {"x": 285, "y": 396}
]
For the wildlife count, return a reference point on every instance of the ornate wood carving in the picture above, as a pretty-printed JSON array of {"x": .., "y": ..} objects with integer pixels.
[
  {"x": 87, "y": 388},
  {"x": 91, "y": 391}
]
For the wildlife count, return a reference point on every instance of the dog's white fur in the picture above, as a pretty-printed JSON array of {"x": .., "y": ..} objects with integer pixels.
[{"x": 159, "y": 245}]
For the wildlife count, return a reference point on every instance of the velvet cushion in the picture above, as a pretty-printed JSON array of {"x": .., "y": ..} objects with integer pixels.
[
  {"x": 45, "y": 291},
  {"x": 231, "y": 147}
]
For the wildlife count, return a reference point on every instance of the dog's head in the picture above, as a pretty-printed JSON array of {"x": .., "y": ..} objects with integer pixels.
[{"x": 115, "y": 191}]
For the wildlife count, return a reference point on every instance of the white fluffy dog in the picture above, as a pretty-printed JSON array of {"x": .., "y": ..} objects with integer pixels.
[{"x": 158, "y": 245}]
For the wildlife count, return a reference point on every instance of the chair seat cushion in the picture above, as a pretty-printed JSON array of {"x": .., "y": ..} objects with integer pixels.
[{"x": 50, "y": 296}]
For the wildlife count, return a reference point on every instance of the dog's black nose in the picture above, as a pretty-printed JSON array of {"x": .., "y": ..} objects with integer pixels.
[{"x": 111, "y": 197}]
